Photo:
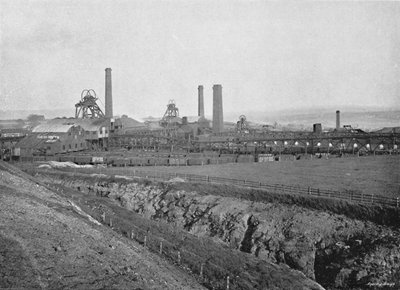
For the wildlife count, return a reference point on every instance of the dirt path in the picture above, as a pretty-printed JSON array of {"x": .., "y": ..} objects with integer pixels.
[{"x": 46, "y": 243}]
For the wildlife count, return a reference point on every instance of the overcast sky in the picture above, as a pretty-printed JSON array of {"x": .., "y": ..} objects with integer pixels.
[{"x": 266, "y": 55}]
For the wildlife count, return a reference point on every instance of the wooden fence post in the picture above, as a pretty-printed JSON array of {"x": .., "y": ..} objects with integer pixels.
[
  {"x": 397, "y": 202},
  {"x": 132, "y": 235},
  {"x": 103, "y": 217},
  {"x": 372, "y": 198},
  {"x": 179, "y": 257},
  {"x": 201, "y": 270},
  {"x": 227, "y": 282},
  {"x": 145, "y": 241},
  {"x": 160, "y": 247},
  {"x": 110, "y": 223},
  {"x": 309, "y": 190}
]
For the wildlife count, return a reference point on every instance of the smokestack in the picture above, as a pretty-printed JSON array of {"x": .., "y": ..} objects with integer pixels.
[
  {"x": 201, "y": 102},
  {"x": 337, "y": 120},
  {"x": 109, "y": 106},
  {"x": 218, "y": 116}
]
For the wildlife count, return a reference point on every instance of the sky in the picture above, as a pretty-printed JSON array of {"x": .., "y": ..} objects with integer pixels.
[{"x": 267, "y": 55}]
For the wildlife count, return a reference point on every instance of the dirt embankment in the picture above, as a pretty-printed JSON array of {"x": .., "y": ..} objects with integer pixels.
[
  {"x": 46, "y": 242},
  {"x": 335, "y": 250}
]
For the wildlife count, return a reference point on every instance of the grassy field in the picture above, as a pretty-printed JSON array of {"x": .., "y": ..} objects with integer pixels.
[{"x": 371, "y": 174}]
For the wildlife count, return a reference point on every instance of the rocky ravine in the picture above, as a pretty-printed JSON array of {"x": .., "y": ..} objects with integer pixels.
[{"x": 337, "y": 252}]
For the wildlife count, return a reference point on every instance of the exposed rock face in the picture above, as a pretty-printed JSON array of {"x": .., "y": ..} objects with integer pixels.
[{"x": 332, "y": 249}]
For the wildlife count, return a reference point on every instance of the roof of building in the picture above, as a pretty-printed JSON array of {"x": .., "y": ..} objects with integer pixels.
[
  {"x": 16, "y": 130},
  {"x": 32, "y": 141},
  {"x": 50, "y": 127},
  {"x": 127, "y": 123},
  {"x": 62, "y": 125},
  {"x": 11, "y": 124}
]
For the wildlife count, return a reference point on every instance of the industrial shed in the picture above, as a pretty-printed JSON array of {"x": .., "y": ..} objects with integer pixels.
[
  {"x": 51, "y": 139},
  {"x": 93, "y": 128},
  {"x": 95, "y": 132}
]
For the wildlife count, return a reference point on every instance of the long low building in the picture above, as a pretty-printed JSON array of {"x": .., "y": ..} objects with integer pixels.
[
  {"x": 64, "y": 135},
  {"x": 56, "y": 139}
]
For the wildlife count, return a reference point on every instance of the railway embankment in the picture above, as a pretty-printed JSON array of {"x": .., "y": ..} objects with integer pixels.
[{"x": 340, "y": 245}]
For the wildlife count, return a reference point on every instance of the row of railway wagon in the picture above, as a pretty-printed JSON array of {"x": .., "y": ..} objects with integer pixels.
[
  {"x": 160, "y": 159},
  {"x": 167, "y": 159}
]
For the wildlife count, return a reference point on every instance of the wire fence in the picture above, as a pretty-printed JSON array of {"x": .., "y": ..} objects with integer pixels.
[
  {"x": 207, "y": 272},
  {"x": 346, "y": 195}
]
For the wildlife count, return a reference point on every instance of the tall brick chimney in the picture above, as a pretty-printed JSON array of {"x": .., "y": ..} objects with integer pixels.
[
  {"x": 218, "y": 115},
  {"x": 201, "y": 102},
  {"x": 337, "y": 120},
  {"x": 108, "y": 97}
]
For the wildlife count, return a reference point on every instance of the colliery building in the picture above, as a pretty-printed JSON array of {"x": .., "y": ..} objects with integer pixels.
[
  {"x": 93, "y": 130},
  {"x": 50, "y": 139},
  {"x": 59, "y": 136}
]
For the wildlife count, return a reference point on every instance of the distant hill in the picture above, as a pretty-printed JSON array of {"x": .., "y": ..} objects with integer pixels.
[{"x": 363, "y": 119}]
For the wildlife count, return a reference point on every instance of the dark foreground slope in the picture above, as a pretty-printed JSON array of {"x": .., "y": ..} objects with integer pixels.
[{"x": 46, "y": 242}]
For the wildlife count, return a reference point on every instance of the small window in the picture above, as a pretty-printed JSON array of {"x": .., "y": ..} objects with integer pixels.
[
  {"x": 81, "y": 145},
  {"x": 70, "y": 147},
  {"x": 63, "y": 147},
  {"x": 76, "y": 145}
]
